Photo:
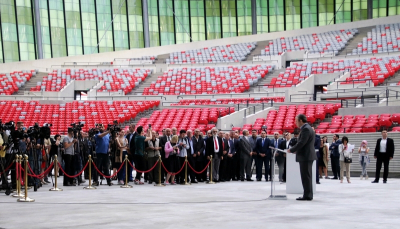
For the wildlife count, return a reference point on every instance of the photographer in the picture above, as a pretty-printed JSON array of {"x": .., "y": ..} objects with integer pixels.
[
  {"x": 45, "y": 159},
  {"x": 56, "y": 150},
  {"x": 102, "y": 162},
  {"x": 140, "y": 139},
  {"x": 68, "y": 157}
]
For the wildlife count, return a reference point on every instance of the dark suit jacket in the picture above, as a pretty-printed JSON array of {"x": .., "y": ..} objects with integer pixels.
[
  {"x": 226, "y": 145},
  {"x": 304, "y": 148},
  {"x": 245, "y": 147},
  {"x": 272, "y": 143},
  {"x": 263, "y": 149},
  {"x": 131, "y": 143},
  {"x": 334, "y": 147},
  {"x": 317, "y": 144},
  {"x": 232, "y": 149},
  {"x": 210, "y": 147},
  {"x": 389, "y": 147},
  {"x": 198, "y": 146},
  {"x": 236, "y": 143}
]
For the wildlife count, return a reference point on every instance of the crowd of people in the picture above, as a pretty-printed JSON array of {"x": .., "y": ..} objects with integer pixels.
[{"x": 234, "y": 157}]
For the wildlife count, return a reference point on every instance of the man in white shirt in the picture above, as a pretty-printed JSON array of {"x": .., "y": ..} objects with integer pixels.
[
  {"x": 384, "y": 151},
  {"x": 214, "y": 147}
]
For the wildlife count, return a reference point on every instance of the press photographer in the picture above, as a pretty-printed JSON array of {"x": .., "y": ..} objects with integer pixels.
[
  {"x": 102, "y": 139},
  {"x": 68, "y": 156},
  {"x": 79, "y": 151}
]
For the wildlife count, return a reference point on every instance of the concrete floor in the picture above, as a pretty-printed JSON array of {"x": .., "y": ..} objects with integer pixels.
[{"x": 224, "y": 205}]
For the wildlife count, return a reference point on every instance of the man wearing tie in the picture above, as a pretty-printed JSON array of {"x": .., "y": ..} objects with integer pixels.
[
  {"x": 131, "y": 149},
  {"x": 278, "y": 155},
  {"x": 384, "y": 151},
  {"x": 231, "y": 157},
  {"x": 163, "y": 140},
  {"x": 285, "y": 144},
  {"x": 246, "y": 152},
  {"x": 305, "y": 155},
  {"x": 198, "y": 147},
  {"x": 223, "y": 170},
  {"x": 263, "y": 155},
  {"x": 214, "y": 147},
  {"x": 192, "y": 155}
]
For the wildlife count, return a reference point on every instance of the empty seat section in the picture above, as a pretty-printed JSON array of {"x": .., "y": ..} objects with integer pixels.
[
  {"x": 329, "y": 42},
  {"x": 115, "y": 80},
  {"x": 185, "y": 102},
  {"x": 62, "y": 115},
  {"x": 217, "y": 54},
  {"x": 208, "y": 80},
  {"x": 11, "y": 82}
]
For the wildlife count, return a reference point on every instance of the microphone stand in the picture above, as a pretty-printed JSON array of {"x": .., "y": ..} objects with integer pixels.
[{"x": 273, "y": 196}]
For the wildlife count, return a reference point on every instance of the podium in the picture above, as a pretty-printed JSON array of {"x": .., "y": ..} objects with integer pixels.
[{"x": 293, "y": 178}]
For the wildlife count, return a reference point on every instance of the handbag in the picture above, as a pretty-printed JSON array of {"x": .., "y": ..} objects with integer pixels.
[{"x": 347, "y": 159}]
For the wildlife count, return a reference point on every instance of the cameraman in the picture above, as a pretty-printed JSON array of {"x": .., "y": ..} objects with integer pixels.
[
  {"x": 56, "y": 150},
  {"x": 102, "y": 162},
  {"x": 68, "y": 157}
]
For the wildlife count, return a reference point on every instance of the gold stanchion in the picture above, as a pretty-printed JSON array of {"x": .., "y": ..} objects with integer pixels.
[
  {"x": 55, "y": 188},
  {"x": 26, "y": 198},
  {"x": 159, "y": 173},
  {"x": 126, "y": 174},
  {"x": 18, "y": 194},
  {"x": 186, "y": 175},
  {"x": 211, "y": 170},
  {"x": 90, "y": 174}
]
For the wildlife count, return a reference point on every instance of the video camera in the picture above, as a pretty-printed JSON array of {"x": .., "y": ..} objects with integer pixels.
[
  {"x": 8, "y": 125},
  {"x": 113, "y": 127},
  {"x": 76, "y": 128}
]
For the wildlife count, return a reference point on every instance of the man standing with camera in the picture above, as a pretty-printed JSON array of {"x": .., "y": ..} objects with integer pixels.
[
  {"x": 140, "y": 139},
  {"x": 102, "y": 139},
  {"x": 68, "y": 157}
]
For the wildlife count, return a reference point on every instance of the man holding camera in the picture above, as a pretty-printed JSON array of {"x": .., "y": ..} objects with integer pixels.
[
  {"x": 140, "y": 139},
  {"x": 68, "y": 157},
  {"x": 102, "y": 139}
]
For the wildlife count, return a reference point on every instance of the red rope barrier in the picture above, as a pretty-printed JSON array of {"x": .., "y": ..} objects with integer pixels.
[
  {"x": 76, "y": 175},
  {"x": 202, "y": 171},
  {"x": 42, "y": 174},
  {"x": 143, "y": 171},
  {"x": 113, "y": 175},
  {"x": 21, "y": 180},
  {"x": 173, "y": 174},
  {"x": 9, "y": 167}
]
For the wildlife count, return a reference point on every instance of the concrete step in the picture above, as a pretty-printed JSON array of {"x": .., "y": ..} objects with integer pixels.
[
  {"x": 31, "y": 83},
  {"x": 257, "y": 51},
  {"x": 362, "y": 32}
]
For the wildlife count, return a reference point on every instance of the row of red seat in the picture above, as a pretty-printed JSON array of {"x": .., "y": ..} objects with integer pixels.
[
  {"x": 198, "y": 118},
  {"x": 11, "y": 82},
  {"x": 185, "y": 102},
  {"x": 358, "y": 123},
  {"x": 283, "y": 119},
  {"x": 62, "y": 115}
]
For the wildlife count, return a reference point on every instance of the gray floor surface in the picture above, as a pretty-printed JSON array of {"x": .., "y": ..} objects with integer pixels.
[{"x": 223, "y": 205}]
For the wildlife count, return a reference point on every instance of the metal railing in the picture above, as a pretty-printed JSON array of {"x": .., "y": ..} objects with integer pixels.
[{"x": 377, "y": 100}]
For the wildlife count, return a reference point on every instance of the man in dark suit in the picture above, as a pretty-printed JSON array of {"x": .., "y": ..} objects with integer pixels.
[
  {"x": 335, "y": 155},
  {"x": 236, "y": 157},
  {"x": 279, "y": 156},
  {"x": 231, "y": 157},
  {"x": 214, "y": 148},
  {"x": 223, "y": 169},
  {"x": 200, "y": 159},
  {"x": 384, "y": 151},
  {"x": 163, "y": 140},
  {"x": 317, "y": 145},
  {"x": 245, "y": 156},
  {"x": 131, "y": 149},
  {"x": 305, "y": 155},
  {"x": 285, "y": 144},
  {"x": 263, "y": 155}
]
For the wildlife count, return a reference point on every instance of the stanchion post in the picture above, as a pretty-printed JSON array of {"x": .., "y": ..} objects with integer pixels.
[
  {"x": 159, "y": 173},
  {"x": 126, "y": 174},
  {"x": 186, "y": 175},
  {"x": 211, "y": 170},
  {"x": 26, "y": 198},
  {"x": 55, "y": 188},
  {"x": 90, "y": 174},
  {"x": 18, "y": 194}
]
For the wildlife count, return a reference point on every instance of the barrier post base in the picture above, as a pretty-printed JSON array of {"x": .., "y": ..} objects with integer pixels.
[
  {"x": 55, "y": 189},
  {"x": 18, "y": 195},
  {"x": 26, "y": 200},
  {"x": 159, "y": 185},
  {"x": 211, "y": 182},
  {"x": 89, "y": 187},
  {"x": 126, "y": 186},
  {"x": 277, "y": 197}
]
